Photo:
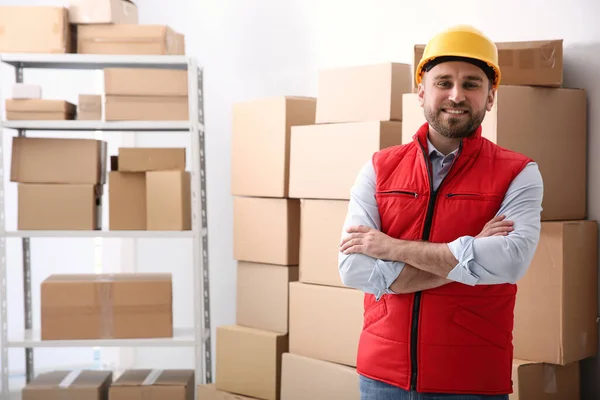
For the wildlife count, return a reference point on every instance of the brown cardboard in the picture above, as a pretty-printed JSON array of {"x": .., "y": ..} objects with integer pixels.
[
  {"x": 128, "y": 39},
  {"x": 140, "y": 159},
  {"x": 320, "y": 235},
  {"x": 168, "y": 200},
  {"x": 127, "y": 200},
  {"x": 80, "y": 385},
  {"x": 54, "y": 160},
  {"x": 306, "y": 378},
  {"x": 102, "y": 12},
  {"x": 34, "y": 29},
  {"x": 539, "y": 381},
  {"x": 145, "y": 82},
  {"x": 319, "y": 151},
  {"x": 325, "y": 322},
  {"x": 89, "y": 107},
  {"x": 362, "y": 93},
  {"x": 210, "y": 392},
  {"x": 548, "y": 125},
  {"x": 59, "y": 207},
  {"x": 534, "y": 63},
  {"x": 146, "y": 108},
  {"x": 266, "y": 230},
  {"x": 145, "y": 384},
  {"x": 249, "y": 361},
  {"x": 263, "y": 295},
  {"x": 39, "y": 109},
  {"x": 107, "y": 306},
  {"x": 556, "y": 308},
  {"x": 260, "y": 144}
]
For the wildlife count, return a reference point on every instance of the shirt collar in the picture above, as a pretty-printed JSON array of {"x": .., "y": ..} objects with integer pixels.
[{"x": 436, "y": 152}]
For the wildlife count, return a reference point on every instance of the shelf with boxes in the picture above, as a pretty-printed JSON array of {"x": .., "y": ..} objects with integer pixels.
[{"x": 153, "y": 178}]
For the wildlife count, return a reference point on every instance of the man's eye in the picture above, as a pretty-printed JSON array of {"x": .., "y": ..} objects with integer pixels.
[{"x": 443, "y": 84}]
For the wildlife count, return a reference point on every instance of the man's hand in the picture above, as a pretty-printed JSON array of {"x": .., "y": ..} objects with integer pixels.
[
  {"x": 497, "y": 226},
  {"x": 368, "y": 241}
]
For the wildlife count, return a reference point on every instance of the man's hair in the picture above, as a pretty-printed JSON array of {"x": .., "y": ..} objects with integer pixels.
[{"x": 489, "y": 71}]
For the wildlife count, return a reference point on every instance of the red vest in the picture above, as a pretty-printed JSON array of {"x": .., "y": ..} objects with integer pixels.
[{"x": 456, "y": 338}]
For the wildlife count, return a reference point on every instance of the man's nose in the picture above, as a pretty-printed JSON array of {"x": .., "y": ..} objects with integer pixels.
[{"x": 457, "y": 94}]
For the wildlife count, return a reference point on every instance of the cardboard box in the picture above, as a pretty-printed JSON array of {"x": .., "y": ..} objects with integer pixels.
[
  {"x": 89, "y": 107},
  {"x": 59, "y": 207},
  {"x": 210, "y": 392},
  {"x": 102, "y": 12},
  {"x": 319, "y": 151},
  {"x": 54, "y": 160},
  {"x": 260, "y": 144},
  {"x": 145, "y": 82},
  {"x": 128, "y": 39},
  {"x": 266, "y": 230},
  {"x": 127, "y": 201},
  {"x": 154, "y": 384},
  {"x": 83, "y": 385},
  {"x": 305, "y": 378},
  {"x": 263, "y": 295},
  {"x": 146, "y": 108},
  {"x": 141, "y": 159},
  {"x": 362, "y": 93},
  {"x": 556, "y": 308},
  {"x": 249, "y": 361},
  {"x": 548, "y": 125},
  {"x": 321, "y": 227},
  {"x": 313, "y": 331},
  {"x": 168, "y": 201},
  {"x": 535, "y": 63},
  {"x": 539, "y": 381},
  {"x": 107, "y": 306},
  {"x": 39, "y": 109},
  {"x": 34, "y": 29}
]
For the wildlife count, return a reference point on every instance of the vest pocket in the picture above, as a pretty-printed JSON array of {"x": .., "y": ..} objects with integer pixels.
[
  {"x": 482, "y": 327},
  {"x": 375, "y": 313},
  {"x": 472, "y": 196},
  {"x": 408, "y": 193}
]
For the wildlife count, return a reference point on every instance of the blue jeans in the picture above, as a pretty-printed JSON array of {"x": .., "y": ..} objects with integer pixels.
[{"x": 374, "y": 390}]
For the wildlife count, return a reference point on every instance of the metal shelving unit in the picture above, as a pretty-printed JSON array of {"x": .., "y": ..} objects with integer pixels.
[{"x": 196, "y": 337}]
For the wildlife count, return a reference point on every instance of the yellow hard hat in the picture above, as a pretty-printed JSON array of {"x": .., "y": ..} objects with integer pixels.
[{"x": 461, "y": 41}]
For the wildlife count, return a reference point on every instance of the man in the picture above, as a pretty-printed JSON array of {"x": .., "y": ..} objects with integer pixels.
[{"x": 438, "y": 232}]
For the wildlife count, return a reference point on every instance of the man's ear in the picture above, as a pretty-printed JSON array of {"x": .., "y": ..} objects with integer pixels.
[
  {"x": 421, "y": 92},
  {"x": 491, "y": 98}
]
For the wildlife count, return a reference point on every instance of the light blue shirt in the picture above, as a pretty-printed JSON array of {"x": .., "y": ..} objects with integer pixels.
[{"x": 481, "y": 261}]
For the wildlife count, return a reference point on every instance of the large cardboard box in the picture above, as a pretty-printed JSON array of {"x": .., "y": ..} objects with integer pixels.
[
  {"x": 320, "y": 236},
  {"x": 107, "y": 306},
  {"x": 326, "y": 159},
  {"x": 306, "y": 378},
  {"x": 39, "y": 109},
  {"x": 78, "y": 384},
  {"x": 54, "y": 160},
  {"x": 362, "y": 93},
  {"x": 249, "y": 361},
  {"x": 540, "y": 381},
  {"x": 263, "y": 295},
  {"x": 145, "y": 82},
  {"x": 556, "y": 308},
  {"x": 534, "y": 63},
  {"x": 128, "y": 39},
  {"x": 146, "y": 108},
  {"x": 260, "y": 144},
  {"x": 209, "y": 392},
  {"x": 34, "y": 29},
  {"x": 315, "y": 333},
  {"x": 59, "y": 207},
  {"x": 141, "y": 159},
  {"x": 102, "y": 12},
  {"x": 266, "y": 230},
  {"x": 548, "y": 125},
  {"x": 154, "y": 384}
]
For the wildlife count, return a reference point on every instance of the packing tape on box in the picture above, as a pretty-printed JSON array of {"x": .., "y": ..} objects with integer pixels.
[
  {"x": 105, "y": 297},
  {"x": 549, "y": 377},
  {"x": 69, "y": 379},
  {"x": 153, "y": 375}
]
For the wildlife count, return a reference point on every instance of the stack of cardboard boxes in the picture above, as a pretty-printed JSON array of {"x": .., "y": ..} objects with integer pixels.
[{"x": 556, "y": 310}]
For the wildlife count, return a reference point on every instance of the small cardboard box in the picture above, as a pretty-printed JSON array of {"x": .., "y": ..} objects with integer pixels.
[
  {"x": 107, "y": 306},
  {"x": 541, "y": 381},
  {"x": 168, "y": 200},
  {"x": 128, "y": 39},
  {"x": 59, "y": 207},
  {"x": 127, "y": 201},
  {"x": 145, "y": 82},
  {"x": 102, "y": 12},
  {"x": 89, "y": 107},
  {"x": 80, "y": 385},
  {"x": 142, "y": 159},
  {"x": 154, "y": 384},
  {"x": 58, "y": 160},
  {"x": 39, "y": 109}
]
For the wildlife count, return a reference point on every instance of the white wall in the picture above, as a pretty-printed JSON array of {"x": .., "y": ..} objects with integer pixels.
[{"x": 260, "y": 48}]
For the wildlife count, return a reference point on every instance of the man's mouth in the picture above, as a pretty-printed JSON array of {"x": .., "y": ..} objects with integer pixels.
[{"x": 454, "y": 111}]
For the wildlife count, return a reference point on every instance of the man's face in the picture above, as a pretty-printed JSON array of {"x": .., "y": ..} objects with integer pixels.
[{"x": 455, "y": 96}]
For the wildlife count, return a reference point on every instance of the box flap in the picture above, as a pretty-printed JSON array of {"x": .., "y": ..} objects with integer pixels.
[
  {"x": 66, "y": 379},
  {"x": 154, "y": 377}
]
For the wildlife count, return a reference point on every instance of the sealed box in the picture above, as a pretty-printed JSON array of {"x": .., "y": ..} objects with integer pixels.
[
  {"x": 77, "y": 384},
  {"x": 102, "y": 12},
  {"x": 146, "y": 108},
  {"x": 145, "y": 82},
  {"x": 128, "y": 39},
  {"x": 154, "y": 384},
  {"x": 142, "y": 159},
  {"x": 127, "y": 201},
  {"x": 107, "y": 306},
  {"x": 89, "y": 107},
  {"x": 542, "y": 381},
  {"x": 168, "y": 201},
  {"x": 39, "y": 109}
]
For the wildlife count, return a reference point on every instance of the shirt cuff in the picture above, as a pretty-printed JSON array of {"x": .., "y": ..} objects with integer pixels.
[
  {"x": 383, "y": 275},
  {"x": 462, "y": 249}
]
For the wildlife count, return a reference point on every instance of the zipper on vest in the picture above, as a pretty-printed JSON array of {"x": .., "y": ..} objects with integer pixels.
[{"x": 413, "y": 194}]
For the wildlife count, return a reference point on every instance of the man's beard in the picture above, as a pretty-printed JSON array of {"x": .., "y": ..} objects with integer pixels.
[{"x": 454, "y": 127}]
